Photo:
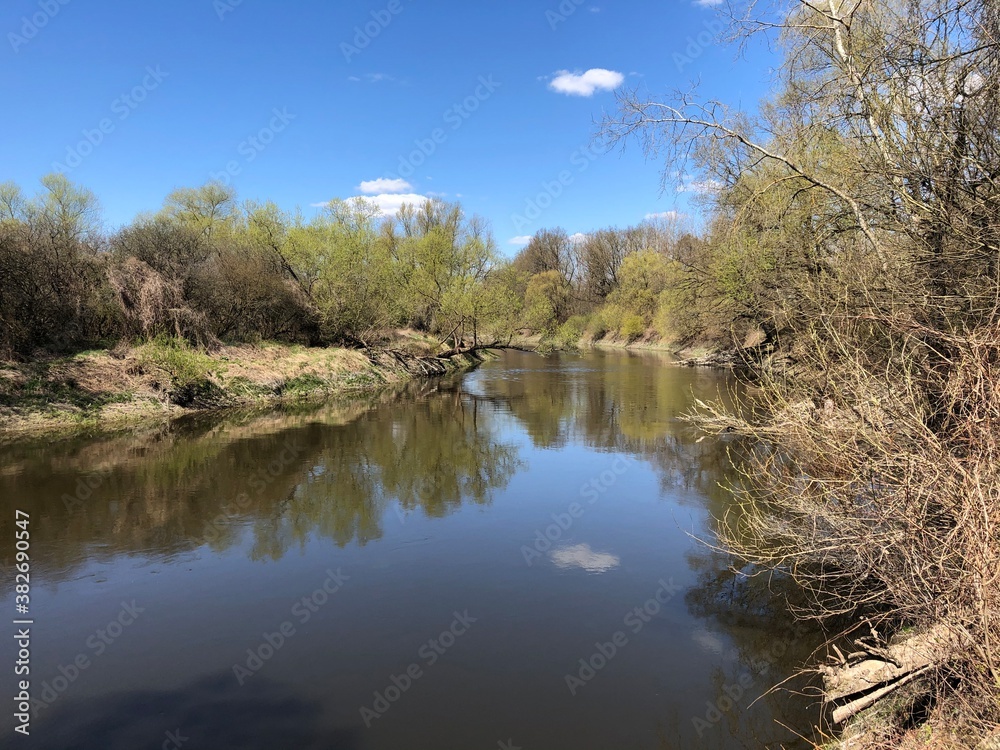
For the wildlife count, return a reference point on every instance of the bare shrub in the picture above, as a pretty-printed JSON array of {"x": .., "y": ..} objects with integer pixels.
[{"x": 886, "y": 522}]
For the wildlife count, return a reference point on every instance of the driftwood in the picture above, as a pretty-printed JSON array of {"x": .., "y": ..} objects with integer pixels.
[
  {"x": 458, "y": 350},
  {"x": 394, "y": 359},
  {"x": 881, "y": 671}
]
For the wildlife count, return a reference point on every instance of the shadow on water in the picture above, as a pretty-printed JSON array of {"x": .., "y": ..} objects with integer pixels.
[{"x": 213, "y": 712}]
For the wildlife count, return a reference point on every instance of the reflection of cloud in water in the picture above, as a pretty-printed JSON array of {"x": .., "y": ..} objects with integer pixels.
[
  {"x": 582, "y": 556},
  {"x": 708, "y": 641}
]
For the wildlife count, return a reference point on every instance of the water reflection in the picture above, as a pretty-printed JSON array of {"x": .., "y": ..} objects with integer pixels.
[
  {"x": 583, "y": 557},
  {"x": 427, "y": 498},
  {"x": 331, "y": 472}
]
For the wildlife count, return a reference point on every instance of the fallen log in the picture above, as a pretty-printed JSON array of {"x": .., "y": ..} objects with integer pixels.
[
  {"x": 886, "y": 670},
  {"x": 845, "y": 712},
  {"x": 495, "y": 346}
]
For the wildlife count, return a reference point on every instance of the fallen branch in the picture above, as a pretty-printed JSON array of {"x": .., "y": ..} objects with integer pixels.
[{"x": 845, "y": 712}]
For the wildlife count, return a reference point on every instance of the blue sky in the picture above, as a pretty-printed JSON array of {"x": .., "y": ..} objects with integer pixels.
[{"x": 484, "y": 101}]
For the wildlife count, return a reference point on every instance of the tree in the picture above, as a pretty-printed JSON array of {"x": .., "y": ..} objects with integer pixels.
[
  {"x": 601, "y": 255},
  {"x": 548, "y": 250},
  {"x": 206, "y": 209},
  {"x": 547, "y": 301}
]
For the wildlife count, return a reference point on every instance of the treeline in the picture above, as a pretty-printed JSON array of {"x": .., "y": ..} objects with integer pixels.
[
  {"x": 207, "y": 268},
  {"x": 657, "y": 280}
]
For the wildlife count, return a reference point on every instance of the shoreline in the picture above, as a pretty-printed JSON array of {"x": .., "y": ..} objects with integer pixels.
[
  {"x": 694, "y": 355},
  {"x": 105, "y": 391}
]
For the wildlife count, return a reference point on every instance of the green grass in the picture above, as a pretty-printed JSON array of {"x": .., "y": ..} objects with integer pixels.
[
  {"x": 193, "y": 373},
  {"x": 245, "y": 389},
  {"x": 304, "y": 384},
  {"x": 43, "y": 394},
  {"x": 185, "y": 365}
]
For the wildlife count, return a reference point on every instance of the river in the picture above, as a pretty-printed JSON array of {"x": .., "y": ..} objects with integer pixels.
[{"x": 506, "y": 559}]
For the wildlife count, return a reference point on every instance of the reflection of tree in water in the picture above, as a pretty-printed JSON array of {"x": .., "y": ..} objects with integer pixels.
[
  {"x": 634, "y": 404},
  {"x": 631, "y": 403},
  {"x": 750, "y": 611},
  {"x": 288, "y": 476},
  {"x": 432, "y": 455}
]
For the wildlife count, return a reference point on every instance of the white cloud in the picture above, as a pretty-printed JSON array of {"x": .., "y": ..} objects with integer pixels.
[
  {"x": 385, "y": 185},
  {"x": 582, "y": 556},
  {"x": 522, "y": 240},
  {"x": 577, "y": 238},
  {"x": 586, "y": 84},
  {"x": 700, "y": 187},
  {"x": 708, "y": 3},
  {"x": 388, "y": 204},
  {"x": 665, "y": 215}
]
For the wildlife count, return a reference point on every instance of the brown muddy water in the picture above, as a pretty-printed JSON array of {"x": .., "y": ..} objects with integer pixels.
[{"x": 507, "y": 559}]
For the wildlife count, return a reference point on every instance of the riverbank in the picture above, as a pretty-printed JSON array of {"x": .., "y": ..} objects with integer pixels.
[
  {"x": 109, "y": 390},
  {"x": 698, "y": 354}
]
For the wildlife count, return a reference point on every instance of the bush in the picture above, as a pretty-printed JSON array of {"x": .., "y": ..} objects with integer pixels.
[
  {"x": 570, "y": 332},
  {"x": 185, "y": 365},
  {"x": 632, "y": 327},
  {"x": 607, "y": 319}
]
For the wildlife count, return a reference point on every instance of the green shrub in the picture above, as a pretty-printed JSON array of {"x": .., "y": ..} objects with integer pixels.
[
  {"x": 570, "y": 332},
  {"x": 632, "y": 327},
  {"x": 192, "y": 372},
  {"x": 606, "y": 320},
  {"x": 184, "y": 364}
]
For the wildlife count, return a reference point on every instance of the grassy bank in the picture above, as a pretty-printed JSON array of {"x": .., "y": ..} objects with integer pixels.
[{"x": 106, "y": 390}]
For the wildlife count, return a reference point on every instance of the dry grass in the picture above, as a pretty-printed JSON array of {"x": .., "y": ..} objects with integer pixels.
[
  {"x": 164, "y": 379},
  {"x": 880, "y": 495}
]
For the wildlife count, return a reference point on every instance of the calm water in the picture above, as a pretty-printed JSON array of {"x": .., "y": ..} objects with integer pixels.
[{"x": 502, "y": 560}]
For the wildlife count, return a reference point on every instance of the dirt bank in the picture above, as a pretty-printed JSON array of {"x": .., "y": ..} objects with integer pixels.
[{"x": 107, "y": 390}]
